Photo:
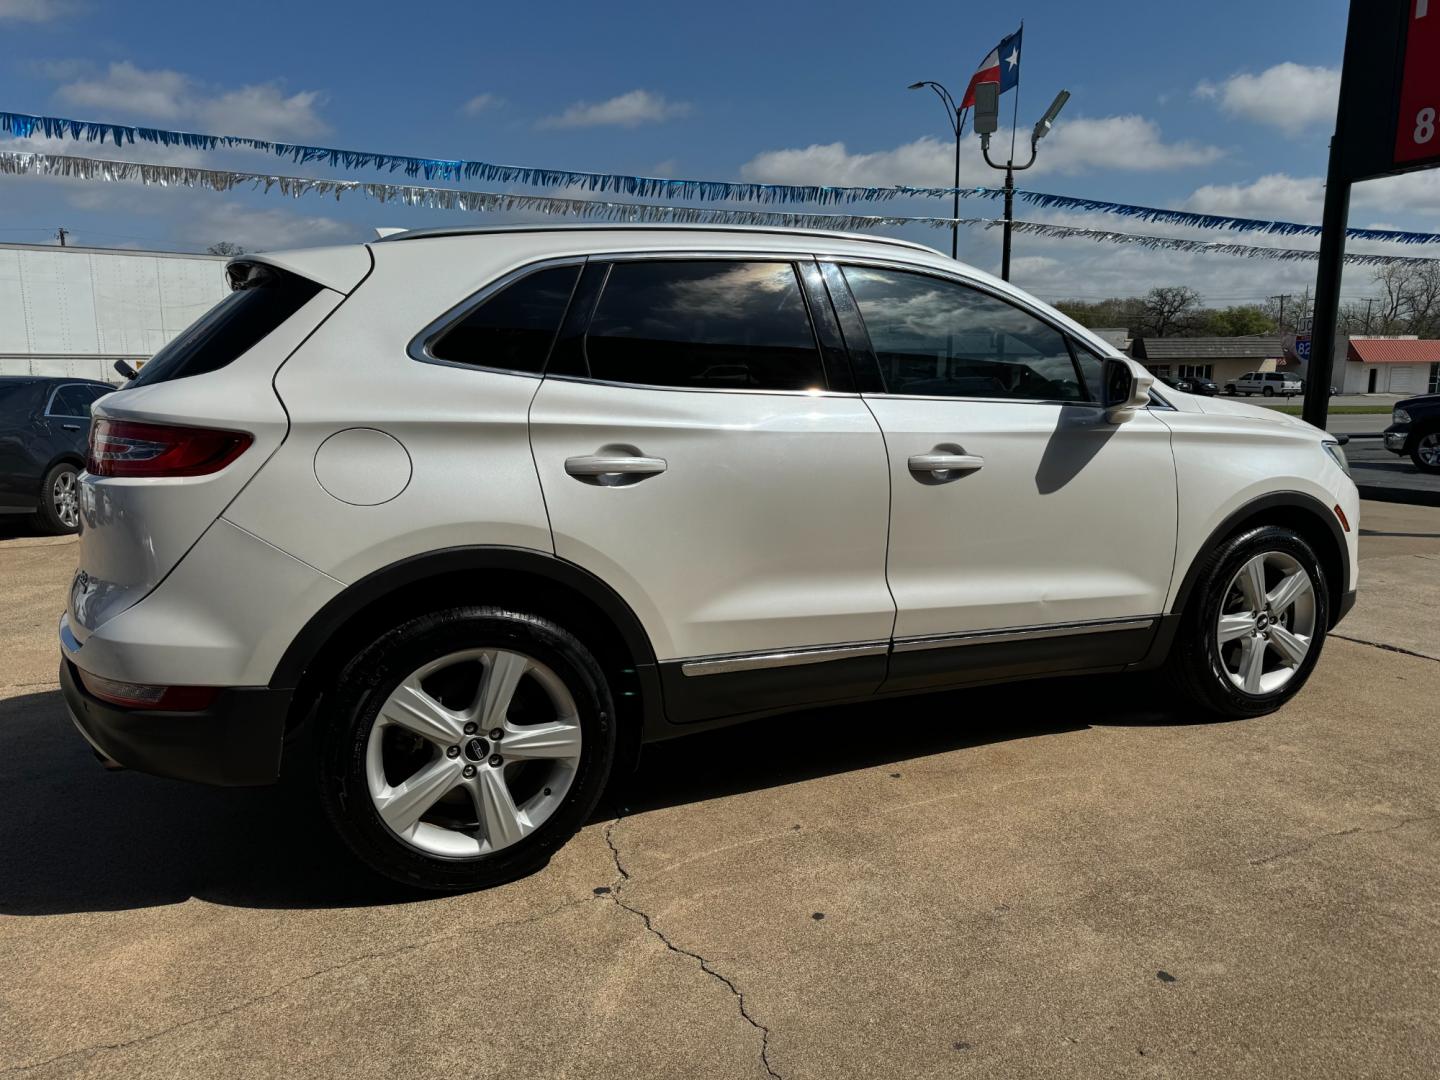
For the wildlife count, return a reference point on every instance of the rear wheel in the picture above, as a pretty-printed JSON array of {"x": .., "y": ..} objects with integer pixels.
[
  {"x": 1425, "y": 453},
  {"x": 1269, "y": 391},
  {"x": 1255, "y": 625},
  {"x": 466, "y": 747},
  {"x": 59, "y": 510}
]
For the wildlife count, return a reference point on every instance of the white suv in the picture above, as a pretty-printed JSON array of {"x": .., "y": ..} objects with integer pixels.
[
  {"x": 1268, "y": 383},
  {"x": 454, "y": 521}
]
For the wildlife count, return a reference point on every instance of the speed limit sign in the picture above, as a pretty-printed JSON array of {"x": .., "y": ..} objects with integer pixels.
[{"x": 1416, "y": 136}]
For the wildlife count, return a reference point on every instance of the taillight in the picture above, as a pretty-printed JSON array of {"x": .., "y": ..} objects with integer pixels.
[
  {"x": 123, "y": 448},
  {"x": 148, "y": 696}
]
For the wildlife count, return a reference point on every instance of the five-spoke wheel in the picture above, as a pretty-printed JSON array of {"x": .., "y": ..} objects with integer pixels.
[{"x": 1267, "y": 622}]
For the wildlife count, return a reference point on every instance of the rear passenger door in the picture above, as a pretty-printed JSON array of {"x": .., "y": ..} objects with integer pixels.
[
  {"x": 703, "y": 452},
  {"x": 1027, "y": 533}
]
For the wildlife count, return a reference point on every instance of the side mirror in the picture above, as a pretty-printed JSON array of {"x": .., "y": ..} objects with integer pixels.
[{"x": 1127, "y": 388}]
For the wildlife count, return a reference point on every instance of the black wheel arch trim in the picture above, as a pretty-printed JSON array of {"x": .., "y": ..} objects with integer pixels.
[
  {"x": 1236, "y": 519},
  {"x": 385, "y": 581}
]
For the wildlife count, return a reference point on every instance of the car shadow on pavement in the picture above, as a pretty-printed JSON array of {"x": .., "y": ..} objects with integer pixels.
[
  {"x": 822, "y": 742},
  {"x": 77, "y": 837}
]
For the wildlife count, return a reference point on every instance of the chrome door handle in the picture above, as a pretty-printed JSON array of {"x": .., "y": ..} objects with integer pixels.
[
  {"x": 602, "y": 465},
  {"x": 71, "y": 427},
  {"x": 945, "y": 466}
]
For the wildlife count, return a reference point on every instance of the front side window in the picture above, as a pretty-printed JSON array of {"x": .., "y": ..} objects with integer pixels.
[
  {"x": 939, "y": 338},
  {"x": 704, "y": 324},
  {"x": 514, "y": 329}
]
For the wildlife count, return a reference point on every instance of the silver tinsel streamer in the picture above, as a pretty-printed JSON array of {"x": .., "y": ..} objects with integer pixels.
[{"x": 108, "y": 171}]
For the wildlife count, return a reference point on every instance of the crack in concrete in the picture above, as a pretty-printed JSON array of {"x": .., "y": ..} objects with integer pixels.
[
  {"x": 260, "y": 999},
  {"x": 705, "y": 964},
  {"x": 1387, "y": 648},
  {"x": 1299, "y": 848}
]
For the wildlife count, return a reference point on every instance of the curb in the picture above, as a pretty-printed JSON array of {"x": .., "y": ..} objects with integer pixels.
[{"x": 1408, "y": 496}]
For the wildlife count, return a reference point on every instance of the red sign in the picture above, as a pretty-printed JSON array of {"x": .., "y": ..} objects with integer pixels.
[{"x": 1417, "y": 136}]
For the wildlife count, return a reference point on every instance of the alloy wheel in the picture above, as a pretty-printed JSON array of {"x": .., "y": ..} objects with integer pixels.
[
  {"x": 1266, "y": 625},
  {"x": 65, "y": 498},
  {"x": 1428, "y": 449},
  {"x": 473, "y": 752}
]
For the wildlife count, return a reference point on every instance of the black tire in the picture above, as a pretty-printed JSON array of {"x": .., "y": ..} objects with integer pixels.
[
  {"x": 49, "y": 517},
  {"x": 361, "y": 689},
  {"x": 1421, "y": 463},
  {"x": 1195, "y": 666},
  {"x": 1269, "y": 391}
]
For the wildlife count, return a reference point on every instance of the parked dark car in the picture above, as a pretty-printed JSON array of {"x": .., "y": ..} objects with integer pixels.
[
  {"x": 1201, "y": 385},
  {"x": 44, "y": 429},
  {"x": 1415, "y": 430}
]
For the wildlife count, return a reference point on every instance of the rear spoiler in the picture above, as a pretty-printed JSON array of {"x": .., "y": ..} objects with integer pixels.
[{"x": 338, "y": 268}]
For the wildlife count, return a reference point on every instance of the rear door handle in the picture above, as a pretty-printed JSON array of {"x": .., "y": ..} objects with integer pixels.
[
  {"x": 71, "y": 427},
  {"x": 606, "y": 466},
  {"x": 945, "y": 466}
]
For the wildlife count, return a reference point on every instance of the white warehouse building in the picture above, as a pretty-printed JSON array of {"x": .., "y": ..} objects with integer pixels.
[{"x": 74, "y": 311}]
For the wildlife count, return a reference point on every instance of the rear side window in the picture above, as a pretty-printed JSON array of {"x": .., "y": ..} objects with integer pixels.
[
  {"x": 514, "y": 329},
  {"x": 263, "y": 298},
  {"x": 704, "y": 324},
  {"x": 75, "y": 399},
  {"x": 938, "y": 338}
]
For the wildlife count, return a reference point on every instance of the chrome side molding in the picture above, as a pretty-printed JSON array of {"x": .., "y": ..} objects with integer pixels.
[
  {"x": 722, "y": 665},
  {"x": 1020, "y": 633}
]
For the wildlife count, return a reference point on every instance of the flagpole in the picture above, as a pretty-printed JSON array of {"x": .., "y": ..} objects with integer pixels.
[{"x": 1010, "y": 167}]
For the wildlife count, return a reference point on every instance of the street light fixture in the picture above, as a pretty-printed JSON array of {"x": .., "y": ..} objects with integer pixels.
[
  {"x": 957, "y": 125},
  {"x": 986, "y": 114}
]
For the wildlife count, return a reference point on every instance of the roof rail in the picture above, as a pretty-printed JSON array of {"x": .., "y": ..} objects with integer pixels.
[{"x": 618, "y": 226}]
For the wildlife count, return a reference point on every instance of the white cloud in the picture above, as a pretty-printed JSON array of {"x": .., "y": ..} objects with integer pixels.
[
  {"x": 481, "y": 103},
  {"x": 628, "y": 110},
  {"x": 1288, "y": 96},
  {"x": 36, "y": 11},
  {"x": 262, "y": 110},
  {"x": 1289, "y": 198},
  {"x": 260, "y": 230},
  {"x": 1112, "y": 142}
]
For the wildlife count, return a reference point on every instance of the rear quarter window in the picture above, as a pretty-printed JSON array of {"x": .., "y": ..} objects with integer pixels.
[{"x": 262, "y": 299}]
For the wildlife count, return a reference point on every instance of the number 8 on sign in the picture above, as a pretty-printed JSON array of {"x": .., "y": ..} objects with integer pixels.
[{"x": 1424, "y": 125}]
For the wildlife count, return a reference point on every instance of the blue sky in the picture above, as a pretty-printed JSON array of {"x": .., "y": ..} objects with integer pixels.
[{"x": 1222, "y": 106}]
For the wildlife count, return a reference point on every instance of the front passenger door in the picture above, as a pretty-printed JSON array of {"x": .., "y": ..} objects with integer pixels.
[{"x": 1027, "y": 534}]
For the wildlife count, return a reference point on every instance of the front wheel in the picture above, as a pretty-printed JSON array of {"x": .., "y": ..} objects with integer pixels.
[
  {"x": 1269, "y": 391},
  {"x": 1426, "y": 452},
  {"x": 465, "y": 747},
  {"x": 1253, "y": 629}
]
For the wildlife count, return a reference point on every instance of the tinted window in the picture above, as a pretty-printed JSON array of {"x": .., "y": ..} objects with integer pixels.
[
  {"x": 939, "y": 338},
  {"x": 712, "y": 324},
  {"x": 1093, "y": 368},
  {"x": 74, "y": 399},
  {"x": 514, "y": 329},
  {"x": 263, "y": 299}
]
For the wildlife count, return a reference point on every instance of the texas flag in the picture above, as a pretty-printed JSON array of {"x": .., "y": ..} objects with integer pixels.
[{"x": 1001, "y": 66}]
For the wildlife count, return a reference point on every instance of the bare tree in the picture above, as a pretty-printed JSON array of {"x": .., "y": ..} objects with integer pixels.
[
  {"x": 1168, "y": 309},
  {"x": 225, "y": 247}
]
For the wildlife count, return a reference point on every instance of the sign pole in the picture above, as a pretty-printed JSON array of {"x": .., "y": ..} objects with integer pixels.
[{"x": 1318, "y": 372}]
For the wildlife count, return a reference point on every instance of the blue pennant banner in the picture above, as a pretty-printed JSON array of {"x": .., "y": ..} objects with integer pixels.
[
  {"x": 23, "y": 125},
  {"x": 109, "y": 171}
]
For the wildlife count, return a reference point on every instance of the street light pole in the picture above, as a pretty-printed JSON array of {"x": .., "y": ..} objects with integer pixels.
[
  {"x": 987, "y": 106},
  {"x": 957, "y": 125}
]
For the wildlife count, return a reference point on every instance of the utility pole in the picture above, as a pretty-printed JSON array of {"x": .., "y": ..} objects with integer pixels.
[
  {"x": 1280, "y": 322},
  {"x": 1369, "y": 303},
  {"x": 61, "y": 233}
]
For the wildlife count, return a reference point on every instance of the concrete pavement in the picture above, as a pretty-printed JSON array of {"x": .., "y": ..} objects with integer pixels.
[{"x": 1054, "y": 879}]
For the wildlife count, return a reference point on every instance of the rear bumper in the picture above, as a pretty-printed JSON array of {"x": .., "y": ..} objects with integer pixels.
[{"x": 234, "y": 743}]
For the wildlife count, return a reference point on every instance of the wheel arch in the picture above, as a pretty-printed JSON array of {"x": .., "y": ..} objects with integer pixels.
[
  {"x": 532, "y": 581},
  {"x": 1306, "y": 515}
]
